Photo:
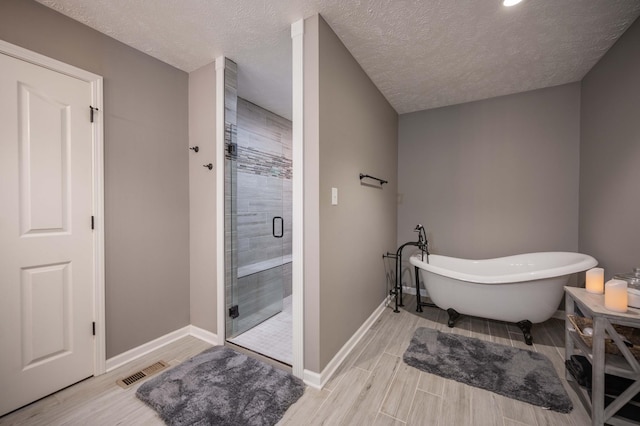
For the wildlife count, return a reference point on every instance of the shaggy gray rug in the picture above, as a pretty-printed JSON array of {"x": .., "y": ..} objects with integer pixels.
[
  {"x": 221, "y": 387},
  {"x": 515, "y": 373}
]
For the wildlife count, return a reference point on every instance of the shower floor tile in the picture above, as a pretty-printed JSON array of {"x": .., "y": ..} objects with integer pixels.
[{"x": 273, "y": 337}]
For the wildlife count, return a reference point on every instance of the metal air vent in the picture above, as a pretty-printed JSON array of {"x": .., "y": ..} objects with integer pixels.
[{"x": 139, "y": 375}]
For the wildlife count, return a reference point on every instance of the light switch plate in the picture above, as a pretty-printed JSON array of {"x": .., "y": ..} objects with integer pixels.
[{"x": 334, "y": 196}]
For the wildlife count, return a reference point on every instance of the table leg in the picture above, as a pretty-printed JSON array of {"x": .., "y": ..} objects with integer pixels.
[{"x": 597, "y": 378}]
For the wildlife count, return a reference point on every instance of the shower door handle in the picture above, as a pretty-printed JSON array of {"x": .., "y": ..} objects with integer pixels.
[{"x": 273, "y": 226}]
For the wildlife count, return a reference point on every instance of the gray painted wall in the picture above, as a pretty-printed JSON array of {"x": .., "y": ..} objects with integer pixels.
[
  {"x": 494, "y": 177},
  {"x": 311, "y": 204},
  {"x": 202, "y": 198},
  {"x": 610, "y": 157},
  {"x": 146, "y": 171},
  {"x": 357, "y": 133}
]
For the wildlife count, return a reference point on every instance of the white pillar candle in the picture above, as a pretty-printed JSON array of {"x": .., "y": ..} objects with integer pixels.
[
  {"x": 595, "y": 280},
  {"x": 615, "y": 295}
]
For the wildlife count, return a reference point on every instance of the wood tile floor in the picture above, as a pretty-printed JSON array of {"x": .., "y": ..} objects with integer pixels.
[{"x": 372, "y": 387}]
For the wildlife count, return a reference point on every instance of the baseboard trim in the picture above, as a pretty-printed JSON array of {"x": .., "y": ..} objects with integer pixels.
[
  {"x": 142, "y": 350},
  {"x": 135, "y": 353},
  {"x": 318, "y": 380},
  {"x": 412, "y": 291},
  {"x": 312, "y": 379},
  {"x": 204, "y": 335}
]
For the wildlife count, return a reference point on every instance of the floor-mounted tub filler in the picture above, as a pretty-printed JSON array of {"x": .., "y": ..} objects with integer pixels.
[{"x": 523, "y": 289}]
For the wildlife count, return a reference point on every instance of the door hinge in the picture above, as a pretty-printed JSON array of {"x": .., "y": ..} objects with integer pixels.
[
  {"x": 92, "y": 222},
  {"x": 234, "y": 312},
  {"x": 92, "y": 109},
  {"x": 94, "y": 328}
]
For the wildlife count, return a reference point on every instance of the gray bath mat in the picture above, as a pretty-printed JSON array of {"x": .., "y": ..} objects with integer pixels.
[
  {"x": 221, "y": 387},
  {"x": 515, "y": 373}
]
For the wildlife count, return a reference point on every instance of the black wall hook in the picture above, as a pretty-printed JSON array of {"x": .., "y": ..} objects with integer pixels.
[
  {"x": 208, "y": 166},
  {"x": 194, "y": 148}
]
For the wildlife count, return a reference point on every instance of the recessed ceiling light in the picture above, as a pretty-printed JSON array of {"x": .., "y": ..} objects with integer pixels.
[{"x": 510, "y": 2}]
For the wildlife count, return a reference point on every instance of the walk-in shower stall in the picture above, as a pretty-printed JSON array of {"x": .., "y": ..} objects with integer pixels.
[{"x": 258, "y": 200}]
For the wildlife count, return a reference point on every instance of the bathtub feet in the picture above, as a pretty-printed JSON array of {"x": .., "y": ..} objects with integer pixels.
[
  {"x": 453, "y": 317},
  {"x": 525, "y": 326}
]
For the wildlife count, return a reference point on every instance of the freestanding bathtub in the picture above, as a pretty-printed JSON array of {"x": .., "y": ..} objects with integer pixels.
[{"x": 524, "y": 289}]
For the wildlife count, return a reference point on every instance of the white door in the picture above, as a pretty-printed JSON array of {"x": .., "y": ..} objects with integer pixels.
[{"x": 46, "y": 241}]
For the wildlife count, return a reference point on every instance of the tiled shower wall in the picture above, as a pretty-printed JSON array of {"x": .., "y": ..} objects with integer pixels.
[
  {"x": 262, "y": 191},
  {"x": 264, "y": 188}
]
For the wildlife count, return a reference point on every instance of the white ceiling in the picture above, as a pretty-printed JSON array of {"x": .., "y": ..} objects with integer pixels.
[{"x": 420, "y": 53}]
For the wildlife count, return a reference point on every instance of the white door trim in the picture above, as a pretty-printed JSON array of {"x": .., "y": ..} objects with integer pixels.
[
  {"x": 297, "y": 114},
  {"x": 95, "y": 82}
]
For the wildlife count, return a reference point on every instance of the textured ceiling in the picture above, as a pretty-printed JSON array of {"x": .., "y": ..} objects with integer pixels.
[{"x": 420, "y": 53}]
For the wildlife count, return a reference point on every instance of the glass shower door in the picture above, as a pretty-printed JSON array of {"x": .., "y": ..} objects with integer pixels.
[
  {"x": 230, "y": 190},
  {"x": 255, "y": 219},
  {"x": 260, "y": 231}
]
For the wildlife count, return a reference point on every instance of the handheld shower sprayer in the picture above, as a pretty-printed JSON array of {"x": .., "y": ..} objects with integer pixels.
[{"x": 422, "y": 244}]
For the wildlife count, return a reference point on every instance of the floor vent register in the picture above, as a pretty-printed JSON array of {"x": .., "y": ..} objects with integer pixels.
[{"x": 142, "y": 374}]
